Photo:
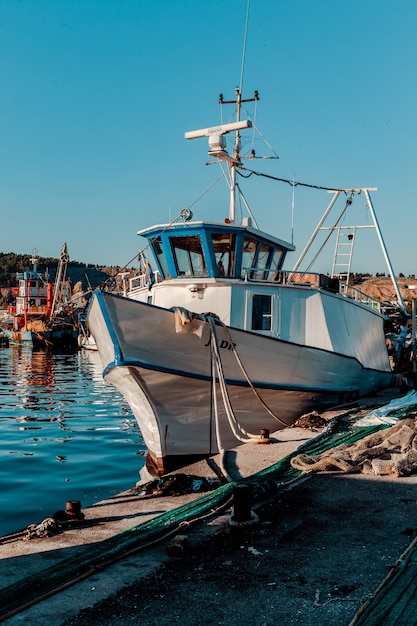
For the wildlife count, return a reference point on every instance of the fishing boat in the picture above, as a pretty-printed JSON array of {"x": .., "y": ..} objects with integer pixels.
[
  {"x": 42, "y": 315},
  {"x": 216, "y": 344}
]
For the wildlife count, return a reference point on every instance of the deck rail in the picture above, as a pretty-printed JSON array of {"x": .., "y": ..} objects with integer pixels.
[
  {"x": 139, "y": 282},
  {"x": 313, "y": 280}
]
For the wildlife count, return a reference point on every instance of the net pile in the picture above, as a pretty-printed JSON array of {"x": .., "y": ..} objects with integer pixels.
[
  {"x": 392, "y": 451},
  {"x": 393, "y": 604}
]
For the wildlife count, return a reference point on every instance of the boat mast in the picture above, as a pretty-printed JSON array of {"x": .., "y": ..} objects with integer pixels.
[
  {"x": 60, "y": 279},
  {"x": 27, "y": 289},
  {"x": 233, "y": 162},
  {"x": 217, "y": 144}
]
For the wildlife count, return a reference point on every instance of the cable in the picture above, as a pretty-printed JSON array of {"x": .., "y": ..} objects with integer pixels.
[{"x": 285, "y": 180}]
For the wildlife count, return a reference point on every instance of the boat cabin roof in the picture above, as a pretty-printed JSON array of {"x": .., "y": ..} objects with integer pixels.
[
  {"x": 28, "y": 275},
  {"x": 213, "y": 250}
]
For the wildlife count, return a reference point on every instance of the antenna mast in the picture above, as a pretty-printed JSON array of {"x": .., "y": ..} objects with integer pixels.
[
  {"x": 235, "y": 161},
  {"x": 242, "y": 69}
]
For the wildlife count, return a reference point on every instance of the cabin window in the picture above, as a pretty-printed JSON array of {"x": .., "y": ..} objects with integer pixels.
[
  {"x": 273, "y": 274},
  {"x": 264, "y": 254},
  {"x": 224, "y": 246},
  {"x": 158, "y": 250},
  {"x": 188, "y": 255},
  {"x": 261, "y": 312},
  {"x": 248, "y": 257}
]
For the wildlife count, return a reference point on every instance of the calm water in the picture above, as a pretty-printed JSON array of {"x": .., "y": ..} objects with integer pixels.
[{"x": 64, "y": 435}]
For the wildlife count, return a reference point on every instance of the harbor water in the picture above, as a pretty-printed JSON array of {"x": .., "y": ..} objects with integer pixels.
[{"x": 65, "y": 434}]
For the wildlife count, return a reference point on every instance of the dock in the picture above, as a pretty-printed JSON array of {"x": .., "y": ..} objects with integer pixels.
[{"x": 319, "y": 547}]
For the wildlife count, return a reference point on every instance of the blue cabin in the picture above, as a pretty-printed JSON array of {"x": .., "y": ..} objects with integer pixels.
[{"x": 212, "y": 250}]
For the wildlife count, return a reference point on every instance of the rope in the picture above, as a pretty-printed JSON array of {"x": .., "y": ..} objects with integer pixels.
[
  {"x": 246, "y": 375},
  {"x": 217, "y": 374},
  {"x": 254, "y": 519},
  {"x": 216, "y": 417},
  {"x": 239, "y": 433},
  {"x": 42, "y": 338}
]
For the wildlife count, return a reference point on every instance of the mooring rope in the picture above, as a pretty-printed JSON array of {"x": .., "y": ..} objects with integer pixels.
[
  {"x": 246, "y": 375},
  {"x": 240, "y": 433}
]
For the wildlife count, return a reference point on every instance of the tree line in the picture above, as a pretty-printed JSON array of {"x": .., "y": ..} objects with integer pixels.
[{"x": 12, "y": 264}]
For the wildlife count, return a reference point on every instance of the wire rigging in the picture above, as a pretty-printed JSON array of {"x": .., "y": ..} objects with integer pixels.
[
  {"x": 261, "y": 135},
  {"x": 293, "y": 183}
]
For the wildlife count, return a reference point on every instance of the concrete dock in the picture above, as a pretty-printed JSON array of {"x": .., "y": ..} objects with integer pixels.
[{"x": 22, "y": 559}]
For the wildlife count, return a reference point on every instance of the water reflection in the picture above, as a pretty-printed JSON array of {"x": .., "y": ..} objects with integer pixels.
[
  {"x": 32, "y": 376},
  {"x": 64, "y": 433}
]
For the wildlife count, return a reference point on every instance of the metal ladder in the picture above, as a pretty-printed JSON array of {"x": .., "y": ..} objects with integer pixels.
[{"x": 343, "y": 252}]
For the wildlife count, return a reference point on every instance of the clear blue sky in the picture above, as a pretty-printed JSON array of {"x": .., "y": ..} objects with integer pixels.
[{"x": 96, "y": 96}]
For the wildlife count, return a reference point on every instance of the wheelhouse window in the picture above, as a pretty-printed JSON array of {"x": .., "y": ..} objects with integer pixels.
[
  {"x": 264, "y": 255},
  {"x": 261, "y": 312},
  {"x": 248, "y": 257},
  {"x": 276, "y": 261},
  {"x": 224, "y": 246},
  {"x": 158, "y": 250},
  {"x": 189, "y": 256}
]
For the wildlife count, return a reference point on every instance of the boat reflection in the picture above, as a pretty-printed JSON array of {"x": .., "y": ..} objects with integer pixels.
[{"x": 32, "y": 379}]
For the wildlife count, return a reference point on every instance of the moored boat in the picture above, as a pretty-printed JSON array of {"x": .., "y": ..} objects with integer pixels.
[
  {"x": 276, "y": 343},
  {"x": 42, "y": 315}
]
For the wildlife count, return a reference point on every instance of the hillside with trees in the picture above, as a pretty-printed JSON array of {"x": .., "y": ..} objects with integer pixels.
[
  {"x": 12, "y": 264},
  {"x": 85, "y": 276}
]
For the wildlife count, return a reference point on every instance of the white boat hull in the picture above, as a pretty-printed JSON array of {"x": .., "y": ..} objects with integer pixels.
[{"x": 165, "y": 372}]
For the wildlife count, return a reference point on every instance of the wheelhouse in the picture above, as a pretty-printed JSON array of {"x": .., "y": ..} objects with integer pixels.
[{"x": 208, "y": 250}]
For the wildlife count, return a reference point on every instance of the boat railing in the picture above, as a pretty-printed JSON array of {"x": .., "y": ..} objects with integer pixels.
[
  {"x": 141, "y": 281},
  {"x": 359, "y": 296},
  {"x": 282, "y": 277},
  {"x": 33, "y": 292},
  {"x": 311, "y": 280},
  {"x": 31, "y": 309}
]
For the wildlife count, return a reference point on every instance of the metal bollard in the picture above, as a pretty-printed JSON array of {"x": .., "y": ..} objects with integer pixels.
[
  {"x": 242, "y": 496},
  {"x": 73, "y": 509}
]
